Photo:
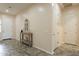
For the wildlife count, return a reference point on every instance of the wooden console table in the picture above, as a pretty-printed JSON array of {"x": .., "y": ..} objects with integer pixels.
[{"x": 26, "y": 38}]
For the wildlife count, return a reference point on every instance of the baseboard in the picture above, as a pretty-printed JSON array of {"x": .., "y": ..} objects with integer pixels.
[{"x": 44, "y": 50}]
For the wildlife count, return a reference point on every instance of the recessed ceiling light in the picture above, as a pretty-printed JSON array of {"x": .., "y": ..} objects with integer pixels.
[{"x": 7, "y": 10}]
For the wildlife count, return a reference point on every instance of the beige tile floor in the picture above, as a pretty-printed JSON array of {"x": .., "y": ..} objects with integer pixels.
[{"x": 15, "y": 48}]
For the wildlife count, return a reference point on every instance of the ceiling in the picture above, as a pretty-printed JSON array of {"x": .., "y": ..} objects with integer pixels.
[{"x": 13, "y": 8}]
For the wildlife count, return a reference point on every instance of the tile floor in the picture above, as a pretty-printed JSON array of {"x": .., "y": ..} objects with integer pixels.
[
  {"x": 15, "y": 48},
  {"x": 67, "y": 50}
]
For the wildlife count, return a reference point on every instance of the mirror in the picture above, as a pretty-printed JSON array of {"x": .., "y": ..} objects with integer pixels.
[{"x": 26, "y": 25}]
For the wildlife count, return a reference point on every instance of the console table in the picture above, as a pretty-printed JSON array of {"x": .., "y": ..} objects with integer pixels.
[{"x": 26, "y": 38}]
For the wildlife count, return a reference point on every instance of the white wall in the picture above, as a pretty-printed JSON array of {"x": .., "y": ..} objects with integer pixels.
[
  {"x": 70, "y": 17},
  {"x": 40, "y": 17},
  {"x": 57, "y": 27},
  {"x": 7, "y": 26}
]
